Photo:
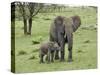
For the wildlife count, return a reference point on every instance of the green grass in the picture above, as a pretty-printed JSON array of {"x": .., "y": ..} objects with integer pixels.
[{"x": 84, "y": 46}]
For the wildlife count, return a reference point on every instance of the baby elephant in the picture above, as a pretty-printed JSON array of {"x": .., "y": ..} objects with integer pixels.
[{"x": 48, "y": 49}]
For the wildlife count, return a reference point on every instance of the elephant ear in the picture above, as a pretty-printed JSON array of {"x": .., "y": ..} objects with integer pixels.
[{"x": 76, "y": 22}]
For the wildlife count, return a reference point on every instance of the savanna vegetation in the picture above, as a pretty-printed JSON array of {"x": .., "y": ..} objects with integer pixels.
[{"x": 84, "y": 45}]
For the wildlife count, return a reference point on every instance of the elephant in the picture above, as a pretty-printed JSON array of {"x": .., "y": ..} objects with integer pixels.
[
  {"x": 48, "y": 49},
  {"x": 61, "y": 31}
]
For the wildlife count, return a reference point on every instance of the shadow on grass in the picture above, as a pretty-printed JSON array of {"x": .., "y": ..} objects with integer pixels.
[
  {"x": 46, "y": 18},
  {"x": 80, "y": 51},
  {"x": 22, "y": 53},
  {"x": 32, "y": 57},
  {"x": 86, "y": 41},
  {"x": 35, "y": 42}
]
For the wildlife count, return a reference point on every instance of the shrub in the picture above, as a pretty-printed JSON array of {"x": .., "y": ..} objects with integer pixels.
[
  {"x": 22, "y": 53},
  {"x": 37, "y": 40},
  {"x": 32, "y": 57}
]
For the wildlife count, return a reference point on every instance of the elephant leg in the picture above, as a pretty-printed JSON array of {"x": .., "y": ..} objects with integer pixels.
[
  {"x": 70, "y": 43},
  {"x": 56, "y": 55},
  {"x": 62, "y": 51},
  {"x": 70, "y": 56},
  {"x": 48, "y": 55},
  {"x": 52, "y": 56},
  {"x": 46, "y": 59},
  {"x": 41, "y": 58}
]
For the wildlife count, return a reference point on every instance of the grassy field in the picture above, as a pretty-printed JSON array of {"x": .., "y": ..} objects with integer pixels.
[{"x": 84, "y": 48}]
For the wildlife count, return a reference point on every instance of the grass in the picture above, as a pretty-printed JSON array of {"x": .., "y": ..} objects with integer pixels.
[{"x": 84, "y": 46}]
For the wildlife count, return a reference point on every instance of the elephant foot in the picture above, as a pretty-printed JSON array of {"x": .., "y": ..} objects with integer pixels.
[
  {"x": 52, "y": 61},
  {"x": 41, "y": 62},
  {"x": 57, "y": 57},
  {"x": 69, "y": 60},
  {"x": 62, "y": 60},
  {"x": 48, "y": 62}
]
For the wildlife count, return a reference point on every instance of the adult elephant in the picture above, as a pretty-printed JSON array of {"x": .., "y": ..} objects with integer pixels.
[{"x": 61, "y": 31}]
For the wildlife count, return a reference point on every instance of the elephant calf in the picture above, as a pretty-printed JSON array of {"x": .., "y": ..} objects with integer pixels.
[{"x": 48, "y": 49}]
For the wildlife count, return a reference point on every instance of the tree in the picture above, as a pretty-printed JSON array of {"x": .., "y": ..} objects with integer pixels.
[
  {"x": 34, "y": 9},
  {"x": 28, "y": 10},
  {"x": 23, "y": 13}
]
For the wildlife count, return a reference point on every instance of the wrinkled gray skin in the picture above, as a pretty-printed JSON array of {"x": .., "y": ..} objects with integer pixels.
[
  {"x": 48, "y": 49},
  {"x": 61, "y": 31}
]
